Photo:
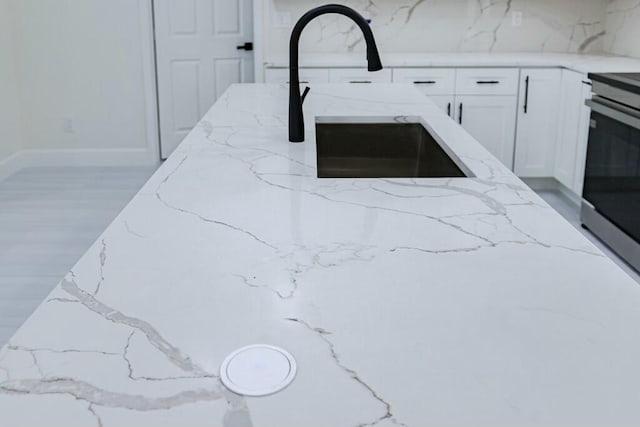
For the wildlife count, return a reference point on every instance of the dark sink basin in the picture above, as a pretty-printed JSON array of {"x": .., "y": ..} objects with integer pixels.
[{"x": 381, "y": 150}]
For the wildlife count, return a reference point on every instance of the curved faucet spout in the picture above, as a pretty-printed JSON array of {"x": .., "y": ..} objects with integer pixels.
[{"x": 296, "y": 117}]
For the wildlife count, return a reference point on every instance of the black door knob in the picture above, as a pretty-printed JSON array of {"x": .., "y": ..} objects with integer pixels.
[{"x": 247, "y": 46}]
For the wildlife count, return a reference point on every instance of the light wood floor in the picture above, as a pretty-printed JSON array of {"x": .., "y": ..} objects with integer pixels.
[{"x": 48, "y": 218}]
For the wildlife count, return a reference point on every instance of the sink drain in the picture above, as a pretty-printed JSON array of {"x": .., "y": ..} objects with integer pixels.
[{"x": 258, "y": 370}]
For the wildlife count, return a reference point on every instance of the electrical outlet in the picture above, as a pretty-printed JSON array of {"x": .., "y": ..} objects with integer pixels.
[
  {"x": 282, "y": 20},
  {"x": 68, "y": 125},
  {"x": 516, "y": 19}
]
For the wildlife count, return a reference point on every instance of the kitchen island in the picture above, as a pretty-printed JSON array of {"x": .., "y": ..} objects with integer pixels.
[{"x": 416, "y": 302}]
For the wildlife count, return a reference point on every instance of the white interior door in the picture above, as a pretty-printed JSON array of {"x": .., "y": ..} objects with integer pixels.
[{"x": 197, "y": 59}]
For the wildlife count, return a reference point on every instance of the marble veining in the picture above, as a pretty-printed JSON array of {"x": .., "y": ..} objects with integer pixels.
[
  {"x": 412, "y": 26},
  {"x": 623, "y": 27},
  {"x": 405, "y": 301}
]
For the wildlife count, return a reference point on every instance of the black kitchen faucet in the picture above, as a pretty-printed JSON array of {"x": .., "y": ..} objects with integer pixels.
[{"x": 296, "y": 117}]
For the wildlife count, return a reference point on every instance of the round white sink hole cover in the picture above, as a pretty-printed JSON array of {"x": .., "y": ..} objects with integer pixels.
[{"x": 258, "y": 370}]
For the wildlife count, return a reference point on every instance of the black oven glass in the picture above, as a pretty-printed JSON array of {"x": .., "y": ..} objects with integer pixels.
[{"x": 612, "y": 175}]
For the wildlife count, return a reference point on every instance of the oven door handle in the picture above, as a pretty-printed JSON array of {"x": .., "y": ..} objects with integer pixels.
[{"x": 617, "y": 112}]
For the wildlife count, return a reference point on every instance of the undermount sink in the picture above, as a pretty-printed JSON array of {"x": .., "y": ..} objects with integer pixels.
[{"x": 368, "y": 148}]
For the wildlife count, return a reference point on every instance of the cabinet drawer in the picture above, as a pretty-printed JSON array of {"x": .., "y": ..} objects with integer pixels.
[
  {"x": 431, "y": 81},
  {"x": 307, "y": 75},
  {"x": 487, "y": 81},
  {"x": 359, "y": 75}
]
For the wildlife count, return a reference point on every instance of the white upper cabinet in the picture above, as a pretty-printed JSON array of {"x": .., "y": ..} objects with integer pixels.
[
  {"x": 492, "y": 121},
  {"x": 359, "y": 76},
  {"x": 538, "y": 109}
]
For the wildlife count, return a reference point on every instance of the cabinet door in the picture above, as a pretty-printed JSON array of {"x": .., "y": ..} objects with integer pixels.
[
  {"x": 537, "y": 133},
  {"x": 492, "y": 121},
  {"x": 567, "y": 146},
  {"x": 583, "y": 138},
  {"x": 571, "y": 149},
  {"x": 445, "y": 102}
]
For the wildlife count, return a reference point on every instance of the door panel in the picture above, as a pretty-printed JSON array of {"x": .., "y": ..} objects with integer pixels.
[
  {"x": 227, "y": 72},
  {"x": 583, "y": 137},
  {"x": 227, "y": 17},
  {"x": 183, "y": 17},
  {"x": 185, "y": 87},
  {"x": 492, "y": 121},
  {"x": 537, "y": 122},
  {"x": 446, "y": 103},
  {"x": 564, "y": 169},
  {"x": 197, "y": 59}
]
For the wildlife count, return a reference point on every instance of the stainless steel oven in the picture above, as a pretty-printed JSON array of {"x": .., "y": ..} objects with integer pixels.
[{"x": 611, "y": 197}]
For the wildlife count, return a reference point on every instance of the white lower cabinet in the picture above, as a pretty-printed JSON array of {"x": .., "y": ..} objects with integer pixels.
[
  {"x": 571, "y": 151},
  {"x": 430, "y": 81},
  {"x": 359, "y": 76},
  {"x": 539, "y": 105},
  {"x": 307, "y": 75},
  {"x": 583, "y": 139},
  {"x": 487, "y": 81},
  {"x": 445, "y": 102},
  {"x": 437, "y": 83},
  {"x": 547, "y": 140},
  {"x": 492, "y": 121},
  {"x": 567, "y": 146}
]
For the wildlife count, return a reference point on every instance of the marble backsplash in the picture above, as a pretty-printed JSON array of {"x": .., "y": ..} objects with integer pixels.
[
  {"x": 450, "y": 26},
  {"x": 623, "y": 27}
]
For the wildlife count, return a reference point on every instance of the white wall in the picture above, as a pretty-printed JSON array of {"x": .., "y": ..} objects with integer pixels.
[
  {"x": 447, "y": 26},
  {"x": 82, "y": 60},
  {"x": 10, "y": 123},
  {"x": 623, "y": 27}
]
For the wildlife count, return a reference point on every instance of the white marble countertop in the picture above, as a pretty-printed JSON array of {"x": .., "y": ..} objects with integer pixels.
[
  {"x": 577, "y": 62},
  {"x": 444, "y": 302}
]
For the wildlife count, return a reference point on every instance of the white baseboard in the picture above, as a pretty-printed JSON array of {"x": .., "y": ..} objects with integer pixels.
[
  {"x": 552, "y": 184},
  {"x": 75, "y": 158},
  {"x": 11, "y": 165},
  {"x": 570, "y": 195},
  {"x": 541, "y": 184}
]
